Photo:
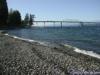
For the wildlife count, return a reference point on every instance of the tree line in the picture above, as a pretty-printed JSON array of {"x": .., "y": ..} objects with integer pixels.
[{"x": 12, "y": 18}]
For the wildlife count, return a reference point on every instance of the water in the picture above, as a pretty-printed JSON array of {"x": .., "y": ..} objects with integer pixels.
[{"x": 87, "y": 37}]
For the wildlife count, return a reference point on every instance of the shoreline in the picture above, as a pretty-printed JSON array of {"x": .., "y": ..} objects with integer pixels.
[
  {"x": 31, "y": 57},
  {"x": 85, "y": 52}
]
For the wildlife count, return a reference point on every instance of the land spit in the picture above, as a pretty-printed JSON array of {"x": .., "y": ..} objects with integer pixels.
[{"x": 20, "y": 57}]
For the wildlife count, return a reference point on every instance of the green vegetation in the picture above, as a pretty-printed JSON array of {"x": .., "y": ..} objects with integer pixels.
[
  {"x": 31, "y": 20},
  {"x": 28, "y": 20},
  {"x": 3, "y": 13},
  {"x": 12, "y": 19}
]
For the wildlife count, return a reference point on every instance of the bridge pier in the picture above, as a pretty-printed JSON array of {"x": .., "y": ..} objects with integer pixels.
[
  {"x": 54, "y": 24},
  {"x": 82, "y": 24},
  {"x": 61, "y": 24},
  {"x": 44, "y": 24}
]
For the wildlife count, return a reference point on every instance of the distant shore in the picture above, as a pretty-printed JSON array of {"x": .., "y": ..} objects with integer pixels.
[{"x": 30, "y": 57}]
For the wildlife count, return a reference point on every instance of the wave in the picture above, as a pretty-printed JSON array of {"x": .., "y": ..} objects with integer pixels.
[
  {"x": 90, "y": 53},
  {"x": 28, "y": 40}
]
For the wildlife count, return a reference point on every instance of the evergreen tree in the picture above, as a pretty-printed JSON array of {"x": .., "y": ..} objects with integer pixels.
[
  {"x": 17, "y": 18},
  {"x": 9, "y": 21},
  {"x": 3, "y": 13},
  {"x": 31, "y": 20},
  {"x": 26, "y": 19},
  {"x": 14, "y": 19}
]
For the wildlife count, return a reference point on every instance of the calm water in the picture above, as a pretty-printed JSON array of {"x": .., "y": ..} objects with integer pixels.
[{"x": 87, "y": 37}]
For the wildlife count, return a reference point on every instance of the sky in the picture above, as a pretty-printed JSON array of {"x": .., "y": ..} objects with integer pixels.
[{"x": 81, "y": 10}]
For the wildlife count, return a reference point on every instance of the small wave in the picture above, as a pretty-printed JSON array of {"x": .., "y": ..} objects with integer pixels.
[
  {"x": 90, "y": 53},
  {"x": 28, "y": 40}
]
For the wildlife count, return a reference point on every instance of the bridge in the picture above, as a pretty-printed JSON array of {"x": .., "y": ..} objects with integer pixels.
[{"x": 61, "y": 22}]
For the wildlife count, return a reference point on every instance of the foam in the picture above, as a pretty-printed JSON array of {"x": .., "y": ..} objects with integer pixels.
[
  {"x": 28, "y": 40},
  {"x": 90, "y": 53},
  {"x": 6, "y": 34}
]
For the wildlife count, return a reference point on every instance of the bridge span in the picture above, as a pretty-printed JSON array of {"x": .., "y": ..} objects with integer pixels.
[{"x": 61, "y": 22}]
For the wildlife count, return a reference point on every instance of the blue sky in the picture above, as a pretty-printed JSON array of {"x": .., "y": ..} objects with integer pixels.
[{"x": 84, "y": 10}]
